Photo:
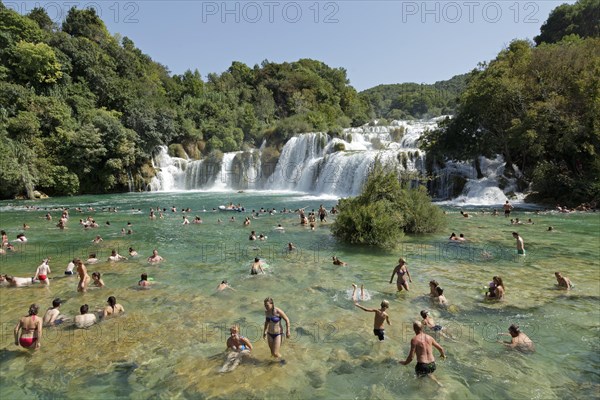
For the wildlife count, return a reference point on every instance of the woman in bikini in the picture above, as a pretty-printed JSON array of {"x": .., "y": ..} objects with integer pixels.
[
  {"x": 30, "y": 328},
  {"x": 273, "y": 330},
  {"x": 401, "y": 270}
]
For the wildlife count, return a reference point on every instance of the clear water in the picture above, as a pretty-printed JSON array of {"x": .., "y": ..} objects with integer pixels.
[{"x": 171, "y": 341}]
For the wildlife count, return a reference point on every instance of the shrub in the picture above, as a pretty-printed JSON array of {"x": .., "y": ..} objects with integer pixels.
[
  {"x": 385, "y": 211},
  {"x": 339, "y": 146},
  {"x": 176, "y": 150}
]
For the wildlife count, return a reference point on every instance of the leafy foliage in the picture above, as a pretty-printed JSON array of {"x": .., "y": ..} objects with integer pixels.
[
  {"x": 385, "y": 211},
  {"x": 581, "y": 18}
]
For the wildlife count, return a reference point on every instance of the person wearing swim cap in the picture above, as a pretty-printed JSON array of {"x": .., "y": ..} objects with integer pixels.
[
  {"x": 422, "y": 346},
  {"x": 380, "y": 318}
]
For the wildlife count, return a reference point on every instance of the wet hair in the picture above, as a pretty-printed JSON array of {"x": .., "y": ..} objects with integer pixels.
[
  {"x": 256, "y": 259},
  {"x": 499, "y": 281},
  {"x": 439, "y": 290},
  {"x": 224, "y": 281},
  {"x": 33, "y": 309},
  {"x": 144, "y": 277},
  {"x": 113, "y": 252},
  {"x": 96, "y": 274},
  {"x": 514, "y": 328},
  {"x": 401, "y": 261},
  {"x": 270, "y": 301},
  {"x": 424, "y": 313},
  {"x": 515, "y": 233},
  {"x": 84, "y": 309},
  {"x": 434, "y": 283},
  {"x": 385, "y": 304},
  {"x": 112, "y": 302},
  {"x": 93, "y": 255}
]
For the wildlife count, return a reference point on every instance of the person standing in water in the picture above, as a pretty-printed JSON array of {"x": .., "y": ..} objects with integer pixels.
[
  {"x": 28, "y": 332},
  {"x": 422, "y": 346},
  {"x": 380, "y": 318},
  {"x": 84, "y": 278},
  {"x": 520, "y": 243},
  {"x": 273, "y": 330},
  {"x": 401, "y": 270}
]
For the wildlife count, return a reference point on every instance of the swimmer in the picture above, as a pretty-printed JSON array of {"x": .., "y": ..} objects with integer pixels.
[
  {"x": 132, "y": 252},
  {"x": 497, "y": 293},
  {"x": 113, "y": 308},
  {"x": 272, "y": 329},
  {"x": 21, "y": 238},
  {"x": 155, "y": 258},
  {"x": 380, "y": 318},
  {"x": 433, "y": 284},
  {"x": 42, "y": 272},
  {"x": 97, "y": 239},
  {"x": 429, "y": 323},
  {"x": 238, "y": 347},
  {"x": 256, "y": 267},
  {"x": 97, "y": 279},
  {"x": 185, "y": 221},
  {"x": 92, "y": 259},
  {"x": 279, "y": 228},
  {"x": 464, "y": 214},
  {"x": 224, "y": 285},
  {"x": 237, "y": 343},
  {"x": 85, "y": 319},
  {"x": 52, "y": 315},
  {"x": 453, "y": 236},
  {"x": 291, "y": 246},
  {"x": 563, "y": 281},
  {"x": 114, "y": 256},
  {"x": 252, "y": 236},
  {"x": 519, "y": 340},
  {"x": 262, "y": 237},
  {"x": 401, "y": 270},
  {"x": 442, "y": 301},
  {"x": 362, "y": 292},
  {"x": 28, "y": 332},
  {"x": 337, "y": 261},
  {"x": 144, "y": 282},
  {"x": 15, "y": 281}
]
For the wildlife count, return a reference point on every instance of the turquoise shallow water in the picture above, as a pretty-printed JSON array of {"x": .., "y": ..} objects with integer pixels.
[{"x": 170, "y": 343}]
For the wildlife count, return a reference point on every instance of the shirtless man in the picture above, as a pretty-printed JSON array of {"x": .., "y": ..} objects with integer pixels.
[
  {"x": 85, "y": 319},
  {"x": 42, "y": 272},
  {"x": 380, "y": 318},
  {"x": 52, "y": 316},
  {"x": 507, "y": 208},
  {"x": 114, "y": 256},
  {"x": 84, "y": 278},
  {"x": 256, "y": 267},
  {"x": 421, "y": 345},
  {"x": 563, "y": 281},
  {"x": 520, "y": 243},
  {"x": 519, "y": 340},
  {"x": 154, "y": 258}
]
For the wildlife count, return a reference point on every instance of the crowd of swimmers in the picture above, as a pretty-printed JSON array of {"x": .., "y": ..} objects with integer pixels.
[{"x": 28, "y": 331}]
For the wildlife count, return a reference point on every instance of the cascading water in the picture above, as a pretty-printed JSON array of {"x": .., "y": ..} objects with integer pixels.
[{"x": 319, "y": 164}]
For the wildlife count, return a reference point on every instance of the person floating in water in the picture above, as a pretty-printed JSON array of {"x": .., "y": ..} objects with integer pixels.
[
  {"x": 422, "y": 346},
  {"x": 362, "y": 292},
  {"x": 224, "y": 285},
  {"x": 380, "y": 318}
]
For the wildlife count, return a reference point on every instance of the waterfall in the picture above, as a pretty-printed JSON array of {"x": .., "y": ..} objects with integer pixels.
[{"x": 318, "y": 163}]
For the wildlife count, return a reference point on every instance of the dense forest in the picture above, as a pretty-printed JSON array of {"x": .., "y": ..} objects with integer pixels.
[
  {"x": 415, "y": 101},
  {"x": 82, "y": 111},
  {"x": 538, "y": 106}
]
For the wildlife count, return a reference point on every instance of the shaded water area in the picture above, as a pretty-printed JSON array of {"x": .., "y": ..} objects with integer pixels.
[{"x": 170, "y": 342}]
